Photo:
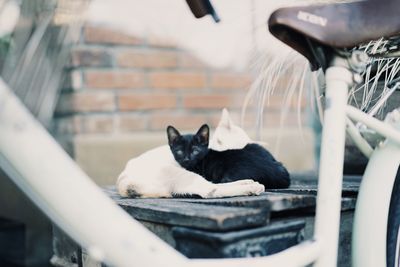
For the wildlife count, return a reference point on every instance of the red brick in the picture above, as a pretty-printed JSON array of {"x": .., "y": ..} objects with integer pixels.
[
  {"x": 282, "y": 83},
  {"x": 114, "y": 79},
  {"x": 73, "y": 80},
  {"x": 91, "y": 57},
  {"x": 156, "y": 41},
  {"x": 130, "y": 123},
  {"x": 207, "y": 101},
  {"x": 68, "y": 125},
  {"x": 103, "y": 35},
  {"x": 97, "y": 124},
  {"x": 86, "y": 102},
  {"x": 187, "y": 60},
  {"x": 177, "y": 80},
  {"x": 79, "y": 124},
  {"x": 181, "y": 121},
  {"x": 230, "y": 80},
  {"x": 148, "y": 101},
  {"x": 147, "y": 59}
]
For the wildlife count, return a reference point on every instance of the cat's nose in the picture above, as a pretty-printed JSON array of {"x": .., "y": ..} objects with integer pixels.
[{"x": 185, "y": 159}]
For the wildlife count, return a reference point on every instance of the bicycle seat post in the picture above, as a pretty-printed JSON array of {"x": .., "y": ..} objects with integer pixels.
[{"x": 339, "y": 78}]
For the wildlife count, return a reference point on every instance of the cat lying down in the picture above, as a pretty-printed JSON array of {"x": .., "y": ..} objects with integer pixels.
[
  {"x": 252, "y": 161},
  {"x": 157, "y": 172}
]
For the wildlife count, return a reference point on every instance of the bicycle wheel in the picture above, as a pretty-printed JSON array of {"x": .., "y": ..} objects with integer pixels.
[{"x": 393, "y": 232}]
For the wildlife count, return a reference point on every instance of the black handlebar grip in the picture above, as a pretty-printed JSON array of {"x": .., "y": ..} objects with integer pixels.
[{"x": 201, "y": 8}]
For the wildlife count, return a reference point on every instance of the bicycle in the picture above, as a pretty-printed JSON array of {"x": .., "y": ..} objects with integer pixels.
[
  {"x": 322, "y": 42},
  {"x": 309, "y": 31}
]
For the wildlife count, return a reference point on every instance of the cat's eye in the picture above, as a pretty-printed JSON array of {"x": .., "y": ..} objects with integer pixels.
[
  {"x": 195, "y": 152},
  {"x": 179, "y": 152}
]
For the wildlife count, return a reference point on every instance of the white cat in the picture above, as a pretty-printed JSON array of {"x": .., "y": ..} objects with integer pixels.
[{"x": 157, "y": 174}]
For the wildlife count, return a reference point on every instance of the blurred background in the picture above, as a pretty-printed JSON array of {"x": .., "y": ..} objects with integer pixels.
[
  {"x": 139, "y": 67},
  {"x": 109, "y": 86}
]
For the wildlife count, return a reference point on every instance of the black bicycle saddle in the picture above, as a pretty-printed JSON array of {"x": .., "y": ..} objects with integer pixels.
[{"x": 314, "y": 30}]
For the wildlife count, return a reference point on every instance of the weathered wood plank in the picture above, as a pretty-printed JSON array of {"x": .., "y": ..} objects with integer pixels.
[
  {"x": 298, "y": 196},
  {"x": 243, "y": 201},
  {"x": 275, "y": 201},
  {"x": 172, "y": 212},
  {"x": 260, "y": 241},
  {"x": 233, "y": 212},
  {"x": 261, "y": 201},
  {"x": 350, "y": 188}
]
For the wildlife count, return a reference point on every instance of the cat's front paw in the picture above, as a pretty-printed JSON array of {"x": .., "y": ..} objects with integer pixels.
[
  {"x": 245, "y": 181},
  {"x": 255, "y": 189}
]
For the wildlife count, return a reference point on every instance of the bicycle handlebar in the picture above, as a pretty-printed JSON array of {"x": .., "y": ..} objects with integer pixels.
[{"x": 201, "y": 8}]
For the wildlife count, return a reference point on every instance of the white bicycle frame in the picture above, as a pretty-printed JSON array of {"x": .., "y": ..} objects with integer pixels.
[{"x": 40, "y": 167}]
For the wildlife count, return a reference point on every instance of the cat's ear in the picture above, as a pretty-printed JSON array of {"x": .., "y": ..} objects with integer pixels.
[
  {"x": 204, "y": 134},
  {"x": 225, "y": 119},
  {"x": 173, "y": 134}
]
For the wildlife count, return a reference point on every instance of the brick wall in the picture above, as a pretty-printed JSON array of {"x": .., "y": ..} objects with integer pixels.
[{"x": 120, "y": 84}]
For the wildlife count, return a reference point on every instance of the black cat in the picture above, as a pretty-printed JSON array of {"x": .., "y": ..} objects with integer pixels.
[{"x": 251, "y": 162}]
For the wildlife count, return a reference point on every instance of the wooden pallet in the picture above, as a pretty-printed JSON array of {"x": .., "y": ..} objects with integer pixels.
[{"x": 236, "y": 226}]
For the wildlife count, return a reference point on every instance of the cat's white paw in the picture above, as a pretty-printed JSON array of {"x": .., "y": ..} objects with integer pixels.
[
  {"x": 245, "y": 181},
  {"x": 239, "y": 182},
  {"x": 254, "y": 189},
  {"x": 234, "y": 189}
]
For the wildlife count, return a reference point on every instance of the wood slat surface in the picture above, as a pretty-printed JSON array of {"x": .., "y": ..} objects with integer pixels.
[
  {"x": 233, "y": 212},
  {"x": 172, "y": 212}
]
